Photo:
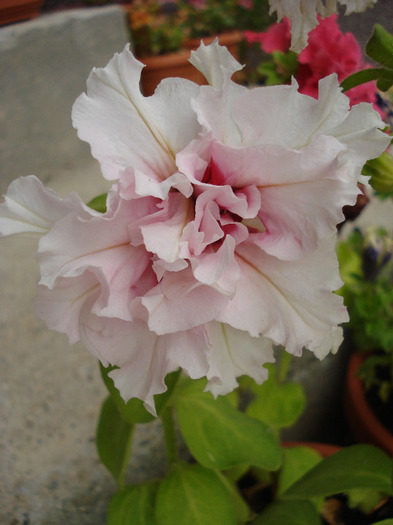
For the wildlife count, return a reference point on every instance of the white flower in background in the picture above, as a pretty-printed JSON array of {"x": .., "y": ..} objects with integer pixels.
[
  {"x": 303, "y": 15},
  {"x": 219, "y": 235}
]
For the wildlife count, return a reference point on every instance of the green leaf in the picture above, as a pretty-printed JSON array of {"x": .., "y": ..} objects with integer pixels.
[
  {"x": 382, "y": 75},
  {"x": 381, "y": 172},
  {"x": 358, "y": 466},
  {"x": 220, "y": 436},
  {"x": 289, "y": 513},
  {"x": 380, "y": 46},
  {"x": 194, "y": 495},
  {"x": 384, "y": 522},
  {"x": 241, "y": 508},
  {"x": 365, "y": 500},
  {"x": 134, "y": 505},
  {"x": 98, "y": 203},
  {"x": 277, "y": 404},
  {"x": 133, "y": 411},
  {"x": 113, "y": 440},
  {"x": 297, "y": 461}
]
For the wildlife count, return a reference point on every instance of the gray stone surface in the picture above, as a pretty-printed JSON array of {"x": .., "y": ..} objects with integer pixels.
[
  {"x": 50, "y": 393},
  {"x": 361, "y": 24},
  {"x": 44, "y": 65}
]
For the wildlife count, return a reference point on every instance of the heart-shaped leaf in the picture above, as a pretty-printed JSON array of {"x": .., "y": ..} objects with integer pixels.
[
  {"x": 355, "y": 467},
  {"x": 113, "y": 440},
  {"x": 194, "y": 495},
  {"x": 220, "y": 436},
  {"x": 134, "y": 505}
]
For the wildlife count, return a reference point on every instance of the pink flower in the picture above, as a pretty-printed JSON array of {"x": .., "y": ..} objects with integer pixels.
[
  {"x": 247, "y": 4},
  {"x": 328, "y": 51},
  {"x": 276, "y": 38},
  {"x": 219, "y": 235},
  {"x": 303, "y": 15}
]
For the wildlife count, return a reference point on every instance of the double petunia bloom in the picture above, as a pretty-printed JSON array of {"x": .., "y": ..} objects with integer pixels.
[{"x": 219, "y": 237}]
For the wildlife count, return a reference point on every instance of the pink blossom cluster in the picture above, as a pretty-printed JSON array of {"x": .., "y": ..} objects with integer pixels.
[
  {"x": 329, "y": 51},
  {"x": 303, "y": 15},
  {"x": 218, "y": 241}
]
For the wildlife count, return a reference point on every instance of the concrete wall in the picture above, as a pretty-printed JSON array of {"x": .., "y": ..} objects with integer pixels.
[{"x": 44, "y": 65}]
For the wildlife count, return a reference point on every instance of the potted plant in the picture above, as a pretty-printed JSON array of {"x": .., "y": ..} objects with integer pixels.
[
  {"x": 367, "y": 271},
  {"x": 158, "y": 35},
  {"x": 244, "y": 476},
  {"x": 18, "y": 10}
]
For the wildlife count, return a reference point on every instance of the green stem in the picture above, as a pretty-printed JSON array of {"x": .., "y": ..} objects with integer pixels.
[
  {"x": 121, "y": 479},
  {"x": 283, "y": 367},
  {"x": 168, "y": 425}
]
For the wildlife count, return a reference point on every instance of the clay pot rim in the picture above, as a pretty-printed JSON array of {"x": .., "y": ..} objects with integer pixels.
[
  {"x": 357, "y": 399},
  {"x": 227, "y": 38},
  {"x": 162, "y": 61},
  {"x": 324, "y": 449}
]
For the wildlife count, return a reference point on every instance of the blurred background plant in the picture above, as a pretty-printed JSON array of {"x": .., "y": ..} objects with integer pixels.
[
  {"x": 211, "y": 17},
  {"x": 366, "y": 266},
  {"x": 156, "y": 27},
  {"x": 159, "y": 27},
  {"x": 329, "y": 51}
]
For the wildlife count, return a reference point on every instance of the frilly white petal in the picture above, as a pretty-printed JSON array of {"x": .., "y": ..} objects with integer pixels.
[
  {"x": 126, "y": 129},
  {"x": 291, "y": 303},
  {"x": 31, "y": 208},
  {"x": 216, "y": 63},
  {"x": 303, "y": 15},
  {"x": 235, "y": 353}
]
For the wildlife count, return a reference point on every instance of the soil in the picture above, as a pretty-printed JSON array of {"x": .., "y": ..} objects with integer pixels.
[{"x": 335, "y": 511}]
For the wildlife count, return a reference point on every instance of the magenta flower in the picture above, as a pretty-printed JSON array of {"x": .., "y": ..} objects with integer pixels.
[
  {"x": 219, "y": 236},
  {"x": 328, "y": 51},
  {"x": 303, "y": 15}
]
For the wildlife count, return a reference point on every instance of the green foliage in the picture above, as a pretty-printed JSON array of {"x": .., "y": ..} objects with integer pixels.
[
  {"x": 279, "y": 70},
  {"x": 113, "y": 440},
  {"x": 366, "y": 266},
  {"x": 213, "y": 17},
  {"x": 297, "y": 461},
  {"x": 289, "y": 513},
  {"x": 219, "y": 436},
  {"x": 133, "y": 505},
  {"x": 155, "y": 29},
  {"x": 354, "y": 467},
  {"x": 277, "y": 404},
  {"x": 380, "y": 49},
  {"x": 98, "y": 203},
  {"x": 380, "y": 171},
  {"x": 192, "y": 495}
]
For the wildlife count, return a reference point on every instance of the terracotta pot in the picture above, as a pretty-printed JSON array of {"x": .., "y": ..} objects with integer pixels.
[
  {"x": 361, "y": 419},
  {"x": 170, "y": 65},
  {"x": 230, "y": 40},
  {"x": 178, "y": 65},
  {"x": 17, "y": 10},
  {"x": 322, "y": 448}
]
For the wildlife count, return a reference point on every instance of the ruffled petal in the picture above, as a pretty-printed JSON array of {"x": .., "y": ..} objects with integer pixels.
[
  {"x": 60, "y": 307},
  {"x": 215, "y": 63},
  {"x": 263, "y": 114},
  {"x": 179, "y": 302},
  {"x": 143, "y": 358},
  {"x": 292, "y": 303},
  {"x": 235, "y": 353},
  {"x": 103, "y": 244},
  {"x": 31, "y": 208},
  {"x": 303, "y": 15},
  {"x": 126, "y": 129}
]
